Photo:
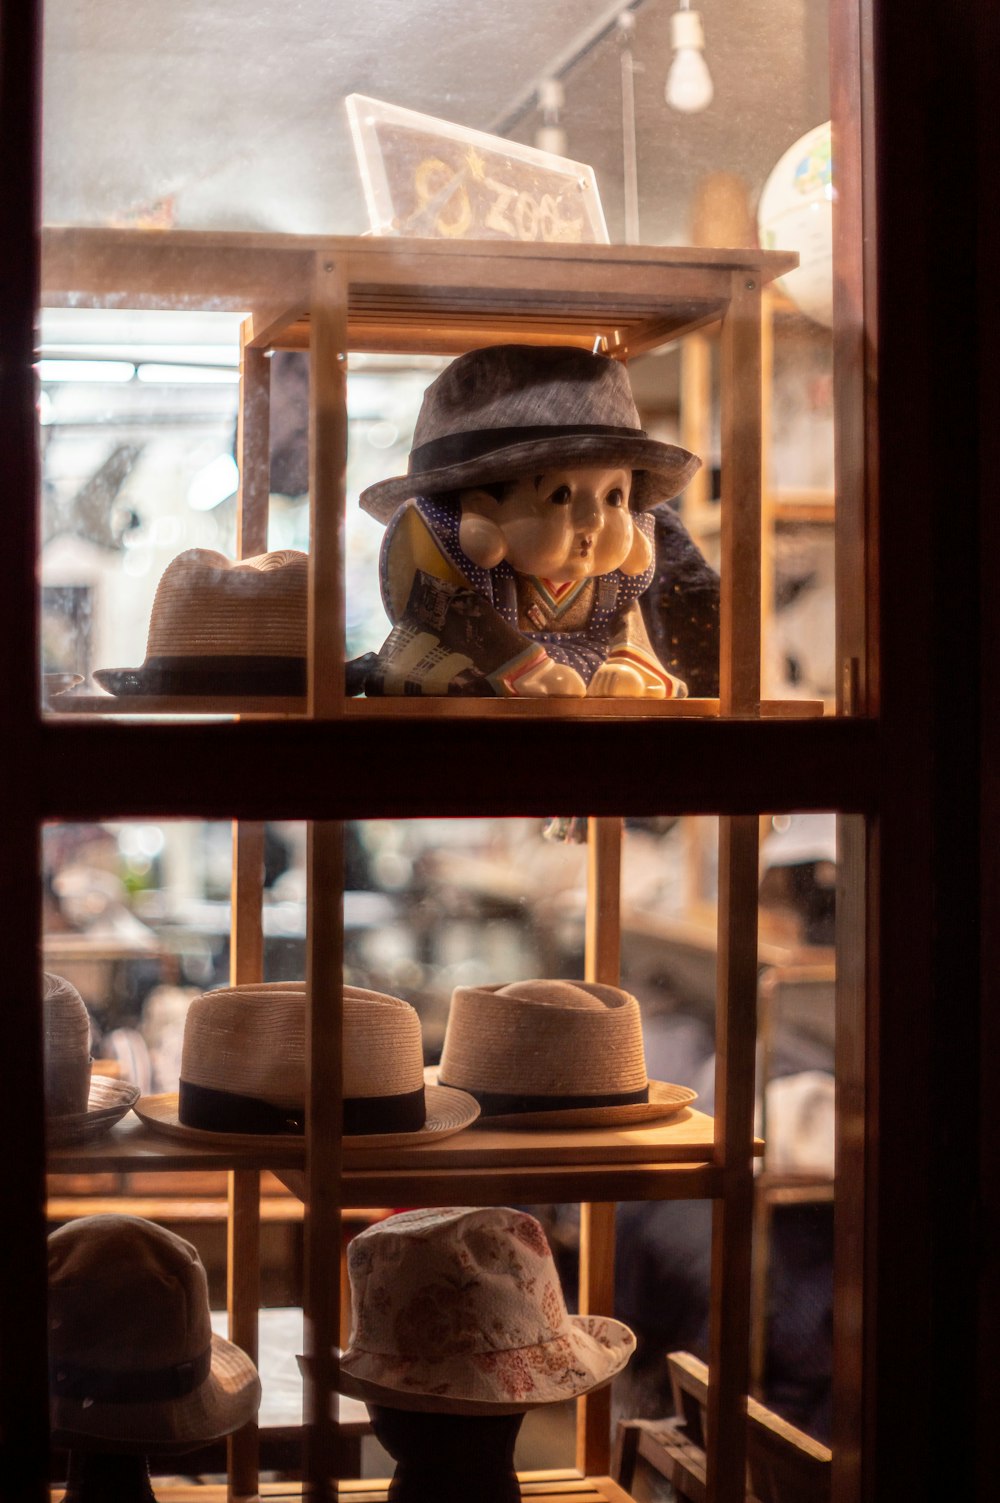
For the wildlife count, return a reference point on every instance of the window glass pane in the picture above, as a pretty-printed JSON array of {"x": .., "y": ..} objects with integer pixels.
[{"x": 704, "y": 129}]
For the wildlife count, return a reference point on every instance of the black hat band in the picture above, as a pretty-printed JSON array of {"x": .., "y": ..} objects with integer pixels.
[
  {"x": 456, "y": 448},
  {"x": 226, "y": 1111},
  {"x": 72, "y": 1380}
]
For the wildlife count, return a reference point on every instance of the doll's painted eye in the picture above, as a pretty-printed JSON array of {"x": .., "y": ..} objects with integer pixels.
[
  {"x": 615, "y": 497},
  {"x": 561, "y": 495}
]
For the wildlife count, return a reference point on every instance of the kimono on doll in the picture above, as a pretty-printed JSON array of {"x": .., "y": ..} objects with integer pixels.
[{"x": 520, "y": 542}]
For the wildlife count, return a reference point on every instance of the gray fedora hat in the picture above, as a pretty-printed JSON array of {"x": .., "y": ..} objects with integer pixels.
[{"x": 500, "y": 412}]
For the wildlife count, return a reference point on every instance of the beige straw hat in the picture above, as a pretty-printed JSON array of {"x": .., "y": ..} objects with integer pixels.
[
  {"x": 243, "y": 1072},
  {"x": 516, "y": 409},
  {"x": 77, "y": 1105},
  {"x": 219, "y": 627},
  {"x": 553, "y": 1054},
  {"x": 132, "y": 1357},
  {"x": 460, "y": 1311}
]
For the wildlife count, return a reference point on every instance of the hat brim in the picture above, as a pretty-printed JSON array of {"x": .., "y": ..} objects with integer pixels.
[
  {"x": 227, "y": 1400},
  {"x": 665, "y": 1101},
  {"x": 601, "y": 1347},
  {"x": 208, "y": 675},
  {"x": 448, "y": 1111},
  {"x": 661, "y": 470},
  {"x": 108, "y": 1102}
]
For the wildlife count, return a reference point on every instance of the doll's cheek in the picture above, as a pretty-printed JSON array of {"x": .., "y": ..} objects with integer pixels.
[{"x": 614, "y": 545}]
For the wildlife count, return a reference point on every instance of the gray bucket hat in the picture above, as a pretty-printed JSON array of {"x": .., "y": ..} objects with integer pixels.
[{"x": 500, "y": 412}]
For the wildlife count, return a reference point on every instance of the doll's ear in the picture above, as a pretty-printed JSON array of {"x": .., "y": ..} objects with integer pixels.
[
  {"x": 640, "y": 553},
  {"x": 479, "y": 536}
]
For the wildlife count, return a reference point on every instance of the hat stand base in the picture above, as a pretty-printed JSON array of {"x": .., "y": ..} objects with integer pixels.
[
  {"x": 104, "y": 1477},
  {"x": 449, "y": 1457}
]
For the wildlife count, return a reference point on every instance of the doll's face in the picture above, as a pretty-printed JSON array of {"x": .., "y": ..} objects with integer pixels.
[{"x": 562, "y": 525}]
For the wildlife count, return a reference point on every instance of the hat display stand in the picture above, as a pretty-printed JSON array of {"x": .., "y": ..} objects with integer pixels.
[
  {"x": 448, "y": 1457},
  {"x": 107, "y": 1477}
]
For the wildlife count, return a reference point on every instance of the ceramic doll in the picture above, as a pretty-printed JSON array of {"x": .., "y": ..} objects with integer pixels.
[{"x": 520, "y": 541}]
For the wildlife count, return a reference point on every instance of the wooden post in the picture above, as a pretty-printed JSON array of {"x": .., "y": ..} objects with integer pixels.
[
  {"x": 253, "y": 428},
  {"x": 602, "y": 960},
  {"x": 732, "y": 1214},
  {"x": 327, "y": 486},
  {"x": 696, "y": 433},
  {"x": 597, "y": 1297},
  {"x": 768, "y": 510},
  {"x": 597, "y": 1222},
  {"x": 246, "y": 964},
  {"x": 323, "y": 1234},
  {"x": 739, "y": 569}
]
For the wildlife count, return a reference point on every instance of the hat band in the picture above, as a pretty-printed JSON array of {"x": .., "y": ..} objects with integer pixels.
[
  {"x": 219, "y": 673},
  {"x": 226, "y": 1111},
  {"x": 455, "y": 448},
  {"x": 71, "y": 1380},
  {"x": 500, "y": 1103}
]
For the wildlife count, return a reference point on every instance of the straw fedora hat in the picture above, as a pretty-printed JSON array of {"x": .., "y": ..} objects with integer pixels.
[
  {"x": 77, "y": 1104},
  {"x": 219, "y": 627},
  {"x": 243, "y": 1072},
  {"x": 132, "y": 1357},
  {"x": 510, "y": 410},
  {"x": 553, "y": 1054},
  {"x": 460, "y": 1311}
]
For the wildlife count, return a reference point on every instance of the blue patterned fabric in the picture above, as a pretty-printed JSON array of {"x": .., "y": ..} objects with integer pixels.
[{"x": 585, "y": 649}]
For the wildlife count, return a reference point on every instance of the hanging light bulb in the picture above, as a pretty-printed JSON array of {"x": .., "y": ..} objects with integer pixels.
[
  {"x": 550, "y": 135},
  {"x": 689, "y": 83}
]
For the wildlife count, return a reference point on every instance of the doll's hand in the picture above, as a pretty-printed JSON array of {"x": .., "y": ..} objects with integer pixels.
[
  {"x": 622, "y": 680},
  {"x": 550, "y": 680}
]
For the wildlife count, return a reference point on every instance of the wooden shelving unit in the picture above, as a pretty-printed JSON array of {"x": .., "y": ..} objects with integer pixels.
[{"x": 334, "y": 296}]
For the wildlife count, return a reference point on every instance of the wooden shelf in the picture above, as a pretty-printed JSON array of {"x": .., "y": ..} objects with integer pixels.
[
  {"x": 439, "y": 707},
  {"x": 556, "y": 1486},
  {"x": 420, "y": 295},
  {"x": 129, "y": 1146},
  {"x": 480, "y": 1166}
]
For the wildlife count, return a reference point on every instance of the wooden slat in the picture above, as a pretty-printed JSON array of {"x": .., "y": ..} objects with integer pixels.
[
  {"x": 597, "y": 1220},
  {"x": 603, "y": 915},
  {"x": 597, "y": 1297},
  {"x": 408, "y": 1187},
  {"x": 242, "y": 1301},
  {"x": 324, "y": 979},
  {"x": 739, "y": 572},
  {"x": 246, "y": 965},
  {"x": 253, "y": 428},
  {"x": 246, "y": 948},
  {"x": 327, "y": 487},
  {"x": 695, "y": 407},
  {"x": 274, "y": 1210},
  {"x": 736, "y": 1028},
  {"x": 346, "y": 770}
]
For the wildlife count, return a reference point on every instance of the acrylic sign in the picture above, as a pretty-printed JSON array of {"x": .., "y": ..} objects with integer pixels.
[{"x": 428, "y": 178}]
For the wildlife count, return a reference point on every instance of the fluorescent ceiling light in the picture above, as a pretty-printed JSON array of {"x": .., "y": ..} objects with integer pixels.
[
  {"x": 187, "y": 375},
  {"x": 85, "y": 370}
]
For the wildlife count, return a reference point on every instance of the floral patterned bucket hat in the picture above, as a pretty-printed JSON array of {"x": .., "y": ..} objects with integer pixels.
[{"x": 460, "y": 1311}]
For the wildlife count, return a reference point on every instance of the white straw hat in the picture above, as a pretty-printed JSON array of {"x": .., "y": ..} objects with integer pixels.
[
  {"x": 243, "y": 1072},
  {"x": 77, "y": 1105},
  {"x": 132, "y": 1357},
  {"x": 460, "y": 1311},
  {"x": 219, "y": 627},
  {"x": 553, "y": 1054}
]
